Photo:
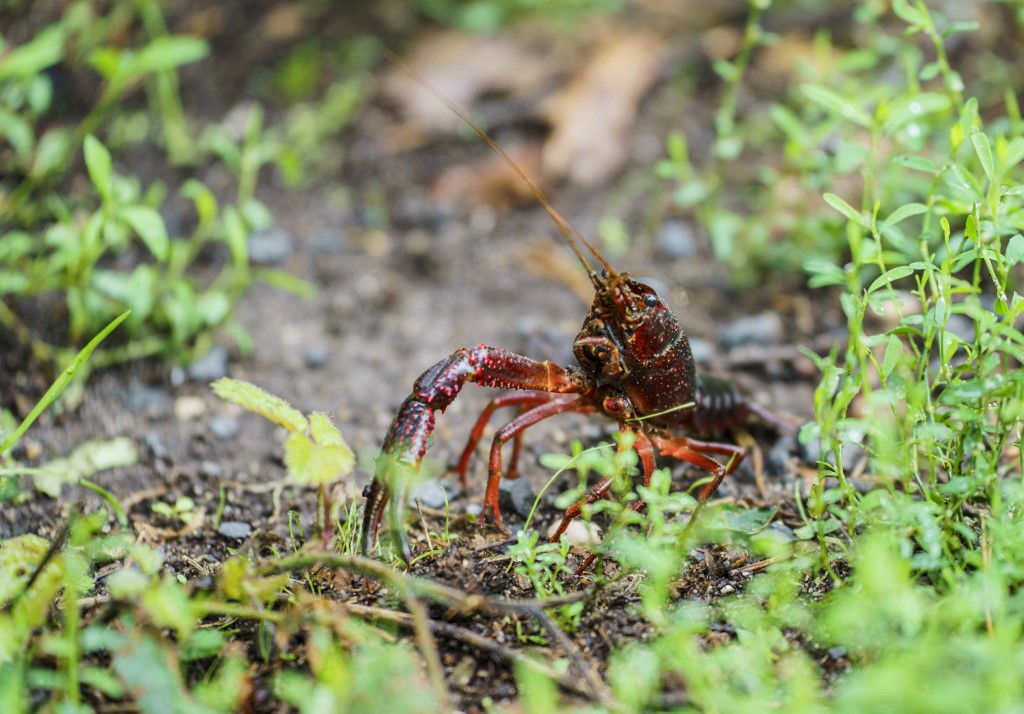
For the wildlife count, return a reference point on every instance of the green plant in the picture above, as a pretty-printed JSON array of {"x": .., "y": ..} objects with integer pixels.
[
  {"x": 182, "y": 510},
  {"x": 62, "y": 242},
  {"x": 314, "y": 452}
]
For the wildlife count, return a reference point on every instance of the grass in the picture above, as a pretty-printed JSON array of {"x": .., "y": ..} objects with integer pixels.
[{"x": 902, "y": 590}]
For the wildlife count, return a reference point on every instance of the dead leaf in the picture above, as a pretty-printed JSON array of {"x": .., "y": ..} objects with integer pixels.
[
  {"x": 592, "y": 116},
  {"x": 490, "y": 181},
  {"x": 464, "y": 68},
  {"x": 284, "y": 22}
]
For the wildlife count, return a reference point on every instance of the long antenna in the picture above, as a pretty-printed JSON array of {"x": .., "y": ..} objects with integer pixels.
[{"x": 564, "y": 226}]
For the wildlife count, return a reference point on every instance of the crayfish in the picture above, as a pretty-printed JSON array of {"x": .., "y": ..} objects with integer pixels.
[{"x": 634, "y": 365}]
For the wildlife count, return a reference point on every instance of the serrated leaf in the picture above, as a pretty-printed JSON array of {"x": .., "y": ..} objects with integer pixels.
[
  {"x": 85, "y": 460},
  {"x": 845, "y": 208},
  {"x": 149, "y": 226},
  {"x": 99, "y": 165},
  {"x": 263, "y": 403},
  {"x": 323, "y": 431}
]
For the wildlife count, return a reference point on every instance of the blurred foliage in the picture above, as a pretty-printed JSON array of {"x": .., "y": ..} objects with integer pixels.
[{"x": 491, "y": 15}]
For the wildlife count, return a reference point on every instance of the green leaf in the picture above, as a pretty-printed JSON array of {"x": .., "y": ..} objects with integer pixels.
[
  {"x": 99, "y": 164},
  {"x": 964, "y": 185},
  {"x": 748, "y": 520},
  {"x": 889, "y": 276},
  {"x": 824, "y": 272},
  {"x": 52, "y": 151},
  {"x": 893, "y": 352},
  {"x": 169, "y": 52},
  {"x": 904, "y": 212},
  {"x": 84, "y": 460},
  {"x": 837, "y": 103},
  {"x": 18, "y": 133},
  {"x": 984, "y": 151},
  {"x": 845, "y": 208},
  {"x": 44, "y": 50},
  {"x": 911, "y": 16},
  {"x": 911, "y": 108},
  {"x": 1014, "y": 250},
  {"x": 149, "y": 225},
  {"x": 263, "y": 403},
  {"x": 917, "y": 163},
  {"x": 60, "y": 383}
]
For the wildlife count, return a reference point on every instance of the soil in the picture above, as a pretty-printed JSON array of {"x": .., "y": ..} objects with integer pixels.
[{"x": 394, "y": 298}]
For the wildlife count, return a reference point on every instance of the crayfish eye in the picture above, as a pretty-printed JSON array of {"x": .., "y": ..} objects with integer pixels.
[{"x": 650, "y": 300}]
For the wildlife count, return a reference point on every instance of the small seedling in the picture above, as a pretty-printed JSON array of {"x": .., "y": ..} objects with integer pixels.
[{"x": 314, "y": 452}]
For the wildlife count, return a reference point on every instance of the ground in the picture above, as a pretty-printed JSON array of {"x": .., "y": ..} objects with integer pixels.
[{"x": 395, "y": 297}]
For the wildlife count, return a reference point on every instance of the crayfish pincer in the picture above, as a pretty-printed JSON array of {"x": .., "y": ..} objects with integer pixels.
[{"x": 634, "y": 365}]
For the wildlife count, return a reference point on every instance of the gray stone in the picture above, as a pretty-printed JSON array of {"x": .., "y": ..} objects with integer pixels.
[
  {"x": 434, "y": 493},
  {"x": 702, "y": 350},
  {"x": 239, "y": 530},
  {"x": 764, "y": 328},
  {"x": 676, "y": 239},
  {"x": 223, "y": 426},
  {"x": 517, "y": 495},
  {"x": 211, "y": 366},
  {"x": 270, "y": 247},
  {"x": 316, "y": 355}
]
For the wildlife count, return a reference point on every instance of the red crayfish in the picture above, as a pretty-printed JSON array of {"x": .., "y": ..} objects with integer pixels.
[{"x": 635, "y": 366}]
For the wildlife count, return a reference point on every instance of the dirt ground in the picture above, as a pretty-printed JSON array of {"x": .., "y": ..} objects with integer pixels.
[{"x": 394, "y": 299}]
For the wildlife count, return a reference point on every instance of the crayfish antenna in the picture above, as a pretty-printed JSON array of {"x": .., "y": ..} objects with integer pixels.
[{"x": 567, "y": 230}]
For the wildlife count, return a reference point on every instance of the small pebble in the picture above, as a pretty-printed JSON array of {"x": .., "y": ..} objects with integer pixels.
[
  {"x": 837, "y": 652},
  {"x": 474, "y": 509},
  {"x": 676, "y": 239},
  {"x": 316, "y": 355},
  {"x": 764, "y": 328},
  {"x": 211, "y": 469},
  {"x": 156, "y": 446},
  {"x": 154, "y": 402},
  {"x": 703, "y": 351},
  {"x": 434, "y": 493},
  {"x": 270, "y": 247},
  {"x": 518, "y": 495},
  {"x": 239, "y": 530},
  {"x": 328, "y": 242},
  {"x": 781, "y": 531},
  {"x": 777, "y": 461},
  {"x": 211, "y": 366},
  {"x": 187, "y": 408},
  {"x": 726, "y": 589},
  {"x": 579, "y": 532},
  {"x": 223, "y": 426}
]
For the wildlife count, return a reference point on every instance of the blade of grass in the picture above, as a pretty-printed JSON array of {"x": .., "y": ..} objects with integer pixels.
[{"x": 61, "y": 383}]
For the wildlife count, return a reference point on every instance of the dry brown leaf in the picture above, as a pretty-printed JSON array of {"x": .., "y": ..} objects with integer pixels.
[
  {"x": 465, "y": 67},
  {"x": 490, "y": 181},
  {"x": 284, "y": 22},
  {"x": 592, "y": 116}
]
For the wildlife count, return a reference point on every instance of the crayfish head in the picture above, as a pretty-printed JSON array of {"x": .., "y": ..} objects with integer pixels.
[{"x": 627, "y": 303}]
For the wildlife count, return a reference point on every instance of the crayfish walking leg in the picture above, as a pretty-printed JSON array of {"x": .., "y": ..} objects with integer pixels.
[{"x": 407, "y": 438}]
